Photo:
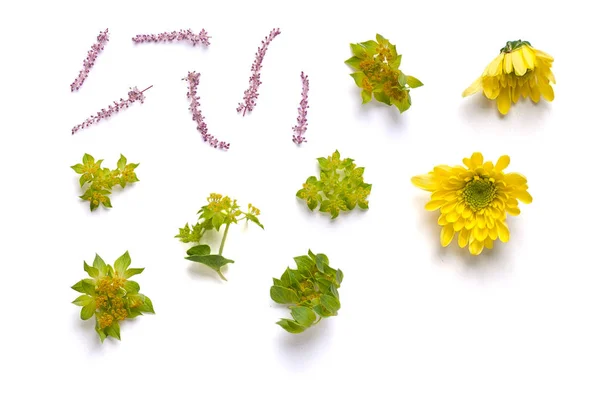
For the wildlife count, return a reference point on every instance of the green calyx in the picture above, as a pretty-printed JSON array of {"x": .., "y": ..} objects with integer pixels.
[
  {"x": 513, "y": 45},
  {"x": 310, "y": 291},
  {"x": 479, "y": 193}
]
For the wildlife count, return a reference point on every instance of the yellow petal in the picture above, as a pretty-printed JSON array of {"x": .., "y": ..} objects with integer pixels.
[
  {"x": 491, "y": 88},
  {"x": 502, "y": 163},
  {"x": 547, "y": 91},
  {"x": 489, "y": 243},
  {"x": 503, "y": 233},
  {"x": 518, "y": 63},
  {"x": 495, "y": 67},
  {"x": 459, "y": 224},
  {"x": 514, "y": 211},
  {"x": 452, "y": 217},
  {"x": 467, "y": 213},
  {"x": 523, "y": 196},
  {"x": 515, "y": 94},
  {"x": 543, "y": 56},
  {"x": 528, "y": 57},
  {"x": 470, "y": 223},
  {"x": 476, "y": 160},
  {"x": 474, "y": 88},
  {"x": 442, "y": 220},
  {"x": 480, "y": 233},
  {"x": 433, "y": 205},
  {"x": 463, "y": 237},
  {"x": 447, "y": 235},
  {"x": 535, "y": 93},
  {"x": 476, "y": 247},
  {"x": 508, "y": 63},
  {"x": 503, "y": 101},
  {"x": 425, "y": 182},
  {"x": 480, "y": 220},
  {"x": 515, "y": 178},
  {"x": 493, "y": 233}
]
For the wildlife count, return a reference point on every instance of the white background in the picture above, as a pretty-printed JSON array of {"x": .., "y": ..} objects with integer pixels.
[{"x": 415, "y": 318}]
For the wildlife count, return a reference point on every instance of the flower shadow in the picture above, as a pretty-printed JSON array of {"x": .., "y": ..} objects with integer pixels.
[{"x": 300, "y": 350}]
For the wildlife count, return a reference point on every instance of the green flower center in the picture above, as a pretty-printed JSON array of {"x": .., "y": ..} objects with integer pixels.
[
  {"x": 513, "y": 45},
  {"x": 479, "y": 193}
]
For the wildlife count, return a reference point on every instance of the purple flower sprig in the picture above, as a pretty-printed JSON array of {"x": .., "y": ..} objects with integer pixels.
[
  {"x": 89, "y": 61},
  {"x": 251, "y": 94},
  {"x": 300, "y": 128},
  {"x": 181, "y": 35},
  {"x": 133, "y": 96},
  {"x": 194, "y": 79}
]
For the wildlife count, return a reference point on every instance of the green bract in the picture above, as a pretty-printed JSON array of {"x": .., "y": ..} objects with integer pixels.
[
  {"x": 377, "y": 66},
  {"x": 110, "y": 296},
  {"x": 311, "y": 291},
  {"x": 340, "y": 188},
  {"x": 102, "y": 180},
  {"x": 219, "y": 211}
]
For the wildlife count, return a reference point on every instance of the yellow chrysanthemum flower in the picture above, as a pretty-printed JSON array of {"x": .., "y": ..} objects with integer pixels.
[
  {"x": 474, "y": 201},
  {"x": 519, "y": 70}
]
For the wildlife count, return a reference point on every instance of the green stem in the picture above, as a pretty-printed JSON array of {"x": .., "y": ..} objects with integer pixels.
[{"x": 224, "y": 238}]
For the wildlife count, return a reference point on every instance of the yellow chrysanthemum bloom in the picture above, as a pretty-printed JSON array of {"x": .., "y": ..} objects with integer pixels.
[
  {"x": 474, "y": 201},
  {"x": 519, "y": 70}
]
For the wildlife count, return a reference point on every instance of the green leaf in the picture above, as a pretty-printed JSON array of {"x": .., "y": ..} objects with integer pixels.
[
  {"x": 322, "y": 311},
  {"x": 381, "y": 40},
  {"x": 402, "y": 80},
  {"x": 83, "y": 300},
  {"x": 85, "y": 178},
  {"x": 401, "y": 105},
  {"x": 358, "y": 78},
  {"x": 322, "y": 261},
  {"x": 370, "y": 47},
  {"x": 78, "y": 287},
  {"x": 354, "y": 62},
  {"x": 214, "y": 261},
  {"x": 78, "y": 168},
  {"x": 303, "y": 315},
  {"x": 88, "y": 159},
  {"x": 254, "y": 219},
  {"x": 366, "y": 96},
  {"x": 218, "y": 220},
  {"x": 107, "y": 203},
  {"x": 101, "y": 333},
  {"x": 358, "y": 51},
  {"x": 339, "y": 277},
  {"x": 132, "y": 271},
  {"x": 330, "y": 302},
  {"x": 92, "y": 271},
  {"x": 99, "y": 264},
  {"x": 88, "y": 311},
  {"x": 291, "y": 326},
  {"x": 199, "y": 250},
  {"x": 146, "y": 306},
  {"x": 88, "y": 286},
  {"x": 122, "y": 263},
  {"x": 131, "y": 287},
  {"x": 284, "y": 295},
  {"x": 121, "y": 163},
  {"x": 304, "y": 263},
  {"x": 113, "y": 331},
  {"x": 382, "y": 97},
  {"x": 413, "y": 82}
]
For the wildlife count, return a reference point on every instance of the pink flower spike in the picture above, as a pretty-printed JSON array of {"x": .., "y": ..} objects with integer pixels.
[
  {"x": 89, "y": 61},
  {"x": 300, "y": 128},
  {"x": 251, "y": 94},
  {"x": 133, "y": 96},
  {"x": 181, "y": 35},
  {"x": 194, "y": 78}
]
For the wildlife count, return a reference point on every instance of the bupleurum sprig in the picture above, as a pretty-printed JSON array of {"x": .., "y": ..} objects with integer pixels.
[
  {"x": 181, "y": 35},
  {"x": 89, "y": 61},
  {"x": 251, "y": 94},
  {"x": 194, "y": 79},
  {"x": 300, "y": 128},
  {"x": 133, "y": 96}
]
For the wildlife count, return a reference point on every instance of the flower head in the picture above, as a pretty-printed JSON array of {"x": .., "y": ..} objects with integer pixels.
[
  {"x": 473, "y": 201},
  {"x": 519, "y": 70}
]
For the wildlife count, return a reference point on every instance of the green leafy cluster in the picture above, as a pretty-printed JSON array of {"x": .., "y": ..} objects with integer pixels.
[
  {"x": 311, "y": 291},
  {"x": 220, "y": 210},
  {"x": 102, "y": 180},
  {"x": 377, "y": 66},
  {"x": 110, "y": 296},
  {"x": 340, "y": 188}
]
